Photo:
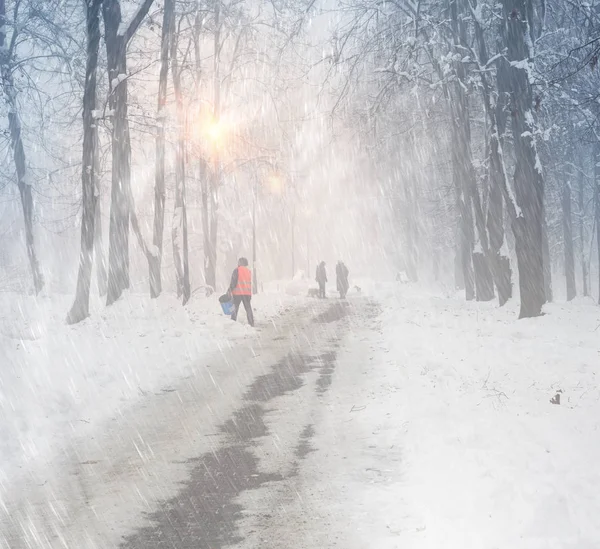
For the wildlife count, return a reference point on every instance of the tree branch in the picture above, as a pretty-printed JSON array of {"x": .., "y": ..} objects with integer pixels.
[{"x": 137, "y": 19}]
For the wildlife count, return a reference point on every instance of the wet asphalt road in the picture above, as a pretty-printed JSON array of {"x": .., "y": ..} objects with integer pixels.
[{"x": 204, "y": 513}]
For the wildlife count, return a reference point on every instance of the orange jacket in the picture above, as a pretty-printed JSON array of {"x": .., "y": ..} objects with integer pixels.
[{"x": 244, "y": 282}]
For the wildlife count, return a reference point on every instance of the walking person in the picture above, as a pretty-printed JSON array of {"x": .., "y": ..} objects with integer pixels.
[
  {"x": 241, "y": 290},
  {"x": 321, "y": 278},
  {"x": 342, "y": 272}
]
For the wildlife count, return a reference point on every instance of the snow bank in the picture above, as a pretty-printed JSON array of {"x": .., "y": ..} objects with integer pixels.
[
  {"x": 440, "y": 430},
  {"x": 57, "y": 381},
  {"x": 298, "y": 286},
  {"x": 487, "y": 459}
]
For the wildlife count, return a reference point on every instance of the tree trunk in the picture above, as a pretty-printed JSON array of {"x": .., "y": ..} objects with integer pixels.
[
  {"x": 116, "y": 39},
  {"x": 466, "y": 247},
  {"x": 179, "y": 231},
  {"x": 211, "y": 251},
  {"x": 459, "y": 275},
  {"x": 204, "y": 190},
  {"x": 80, "y": 308},
  {"x": 597, "y": 207},
  {"x": 412, "y": 230},
  {"x": 155, "y": 258},
  {"x": 118, "y": 252},
  {"x": 101, "y": 274},
  {"x": 464, "y": 162},
  {"x": 499, "y": 264},
  {"x": 465, "y": 230},
  {"x": 211, "y": 274},
  {"x": 529, "y": 183},
  {"x": 568, "y": 242},
  {"x": 582, "y": 235},
  {"x": 547, "y": 259},
  {"x": 24, "y": 181},
  {"x": 495, "y": 226}
]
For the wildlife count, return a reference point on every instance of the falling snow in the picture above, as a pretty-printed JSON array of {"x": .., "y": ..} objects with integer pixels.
[{"x": 397, "y": 204}]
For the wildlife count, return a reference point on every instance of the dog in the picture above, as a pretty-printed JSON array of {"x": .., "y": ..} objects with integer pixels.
[{"x": 313, "y": 292}]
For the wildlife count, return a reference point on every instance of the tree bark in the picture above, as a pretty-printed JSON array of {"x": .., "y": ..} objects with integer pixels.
[
  {"x": 465, "y": 229},
  {"x": 101, "y": 273},
  {"x": 412, "y": 227},
  {"x": 118, "y": 251},
  {"x": 529, "y": 183},
  {"x": 24, "y": 181},
  {"x": 179, "y": 229},
  {"x": 116, "y": 40},
  {"x": 568, "y": 242},
  {"x": 89, "y": 164},
  {"x": 582, "y": 235},
  {"x": 547, "y": 266},
  {"x": 597, "y": 206},
  {"x": 155, "y": 258},
  {"x": 463, "y": 158},
  {"x": 499, "y": 191},
  {"x": 204, "y": 190},
  {"x": 211, "y": 260}
]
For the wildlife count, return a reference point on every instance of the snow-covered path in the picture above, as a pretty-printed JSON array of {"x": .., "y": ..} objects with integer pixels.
[
  {"x": 169, "y": 470},
  {"x": 403, "y": 420}
]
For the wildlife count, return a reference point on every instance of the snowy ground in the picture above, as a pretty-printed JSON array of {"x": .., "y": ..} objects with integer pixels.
[
  {"x": 439, "y": 432},
  {"x": 404, "y": 420},
  {"x": 58, "y": 382}
]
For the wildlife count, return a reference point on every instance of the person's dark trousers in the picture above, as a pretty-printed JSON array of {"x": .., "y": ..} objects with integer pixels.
[
  {"x": 237, "y": 301},
  {"x": 321, "y": 289}
]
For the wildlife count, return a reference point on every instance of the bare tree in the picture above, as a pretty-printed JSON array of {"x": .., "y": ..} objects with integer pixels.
[
  {"x": 155, "y": 260},
  {"x": 215, "y": 182},
  {"x": 117, "y": 37},
  {"x": 582, "y": 232},
  {"x": 179, "y": 228},
  {"x": 89, "y": 165},
  {"x": 24, "y": 180},
  {"x": 596, "y": 156},
  {"x": 529, "y": 183},
  {"x": 568, "y": 241}
]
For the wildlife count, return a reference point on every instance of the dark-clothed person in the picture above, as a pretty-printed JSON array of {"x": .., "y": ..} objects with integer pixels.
[
  {"x": 321, "y": 278},
  {"x": 342, "y": 272}
]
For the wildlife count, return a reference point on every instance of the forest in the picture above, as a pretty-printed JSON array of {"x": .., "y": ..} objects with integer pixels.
[{"x": 145, "y": 145}]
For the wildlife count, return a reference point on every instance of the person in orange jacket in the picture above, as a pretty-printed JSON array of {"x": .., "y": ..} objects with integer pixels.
[{"x": 241, "y": 290}]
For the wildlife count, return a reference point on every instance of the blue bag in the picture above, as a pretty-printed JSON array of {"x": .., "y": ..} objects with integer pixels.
[{"x": 227, "y": 307}]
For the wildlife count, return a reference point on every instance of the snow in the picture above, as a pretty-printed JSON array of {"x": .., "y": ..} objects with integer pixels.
[
  {"x": 298, "y": 286},
  {"x": 58, "y": 382},
  {"x": 476, "y": 13},
  {"x": 487, "y": 460},
  {"x": 509, "y": 189},
  {"x": 117, "y": 80},
  {"x": 504, "y": 251},
  {"x": 439, "y": 431},
  {"x": 522, "y": 64}
]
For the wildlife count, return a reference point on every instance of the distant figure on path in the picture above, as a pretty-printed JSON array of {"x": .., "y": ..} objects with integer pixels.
[
  {"x": 342, "y": 272},
  {"x": 241, "y": 290},
  {"x": 321, "y": 278}
]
